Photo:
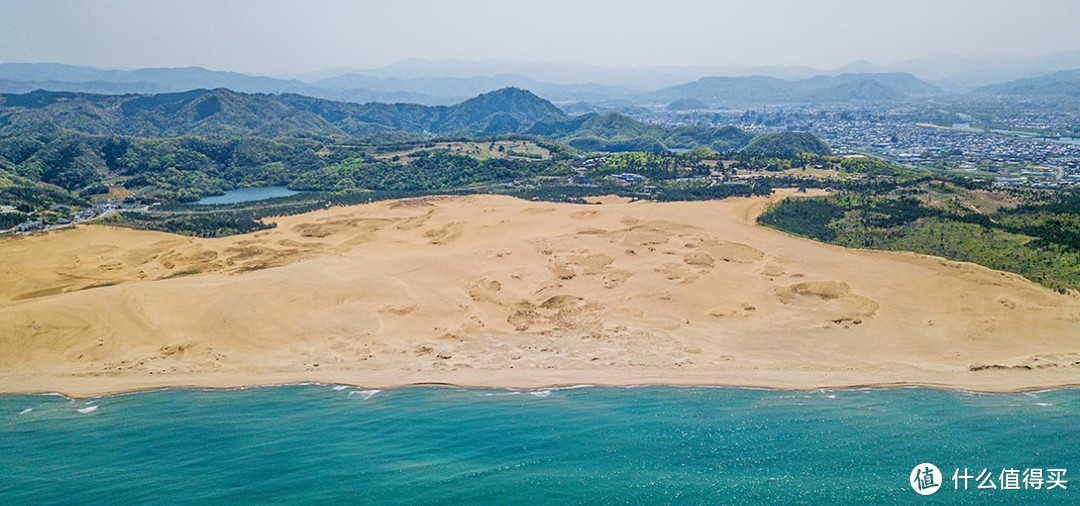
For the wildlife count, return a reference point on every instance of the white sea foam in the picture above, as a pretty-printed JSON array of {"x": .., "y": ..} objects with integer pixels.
[
  {"x": 364, "y": 394},
  {"x": 341, "y": 387},
  {"x": 87, "y": 411},
  {"x": 1043, "y": 404},
  {"x": 573, "y": 387},
  {"x": 25, "y": 411},
  {"x": 540, "y": 393}
]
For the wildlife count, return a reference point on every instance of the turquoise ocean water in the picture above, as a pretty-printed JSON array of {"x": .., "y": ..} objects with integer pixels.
[{"x": 651, "y": 445}]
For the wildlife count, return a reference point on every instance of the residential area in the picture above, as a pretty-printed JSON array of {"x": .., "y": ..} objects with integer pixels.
[{"x": 1022, "y": 145}]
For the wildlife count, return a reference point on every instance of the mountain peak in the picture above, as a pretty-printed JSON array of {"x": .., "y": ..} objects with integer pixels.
[
  {"x": 517, "y": 109},
  {"x": 510, "y": 95},
  {"x": 859, "y": 67}
]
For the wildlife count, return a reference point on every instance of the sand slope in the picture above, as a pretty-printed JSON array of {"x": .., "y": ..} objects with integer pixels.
[{"x": 487, "y": 290}]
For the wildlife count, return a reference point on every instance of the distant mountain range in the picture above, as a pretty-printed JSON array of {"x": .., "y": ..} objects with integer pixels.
[
  {"x": 222, "y": 113},
  {"x": 728, "y": 91},
  {"x": 459, "y": 88},
  {"x": 577, "y": 87},
  {"x": 1059, "y": 84},
  {"x": 639, "y": 78},
  {"x": 350, "y": 87},
  {"x": 947, "y": 72},
  {"x": 969, "y": 72},
  {"x": 151, "y": 80}
]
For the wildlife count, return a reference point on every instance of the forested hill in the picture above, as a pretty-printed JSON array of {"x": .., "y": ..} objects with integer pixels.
[
  {"x": 221, "y": 113},
  {"x": 509, "y": 110},
  {"x": 225, "y": 113},
  {"x": 206, "y": 113},
  {"x": 786, "y": 145}
]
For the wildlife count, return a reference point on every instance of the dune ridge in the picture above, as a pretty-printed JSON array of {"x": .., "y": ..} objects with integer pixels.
[{"x": 495, "y": 291}]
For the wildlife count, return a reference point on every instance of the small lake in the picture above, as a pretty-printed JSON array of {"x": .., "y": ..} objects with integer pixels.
[{"x": 248, "y": 195}]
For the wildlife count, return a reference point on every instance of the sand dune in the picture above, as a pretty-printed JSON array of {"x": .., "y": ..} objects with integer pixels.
[{"x": 487, "y": 290}]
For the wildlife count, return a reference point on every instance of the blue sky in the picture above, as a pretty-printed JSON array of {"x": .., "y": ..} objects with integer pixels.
[{"x": 276, "y": 36}]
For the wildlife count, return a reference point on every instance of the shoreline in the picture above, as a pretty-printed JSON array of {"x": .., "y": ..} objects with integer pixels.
[
  {"x": 991, "y": 388},
  {"x": 555, "y": 386}
]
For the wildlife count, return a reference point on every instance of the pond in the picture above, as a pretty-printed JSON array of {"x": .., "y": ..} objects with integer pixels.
[{"x": 248, "y": 195}]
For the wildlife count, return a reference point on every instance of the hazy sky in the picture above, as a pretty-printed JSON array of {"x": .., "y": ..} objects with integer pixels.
[{"x": 278, "y": 36}]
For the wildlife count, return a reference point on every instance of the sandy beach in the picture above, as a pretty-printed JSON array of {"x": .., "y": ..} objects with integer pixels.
[{"x": 496, "y": 291}]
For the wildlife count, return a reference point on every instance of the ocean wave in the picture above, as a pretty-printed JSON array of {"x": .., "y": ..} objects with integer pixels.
[
  {"x": 966, "y": 393},
  {"x": 364, "y": 394},
  {"x": 575, "y": 387},
  {"x": 87, "y": 410},
  {"x": 501, "y": 394}
]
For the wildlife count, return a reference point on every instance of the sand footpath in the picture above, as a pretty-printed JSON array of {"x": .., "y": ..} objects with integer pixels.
[{"x": 496, "y": 291}]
